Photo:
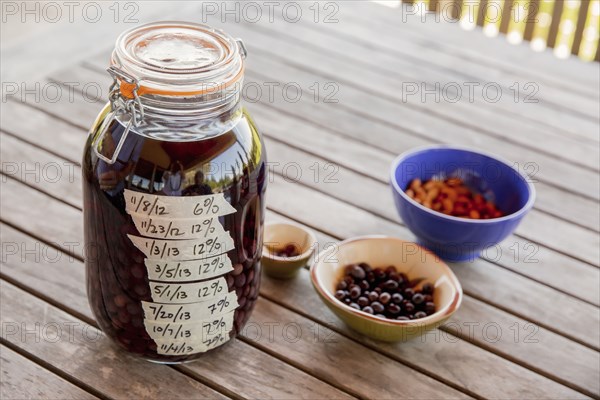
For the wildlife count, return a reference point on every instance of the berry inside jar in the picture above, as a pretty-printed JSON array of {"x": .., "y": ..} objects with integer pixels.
[{"x": 174, "y": 185}]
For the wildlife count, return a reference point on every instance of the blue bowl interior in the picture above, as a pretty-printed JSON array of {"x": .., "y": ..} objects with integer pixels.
[{"x": 494, "y": 179}]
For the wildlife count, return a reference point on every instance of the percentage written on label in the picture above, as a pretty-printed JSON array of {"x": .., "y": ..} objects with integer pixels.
[
  {"x": 190, "y": 330},
  {"x": 178, "y": 228},
  {"x": 192, "y": 270},
  {"x": 219, "y": 306},
  {"x": 187, "y": 292},
  {"x": 185, "y": 249},
  {"x": 207, "y": 206},
  {"x": 190, "y": 312}
]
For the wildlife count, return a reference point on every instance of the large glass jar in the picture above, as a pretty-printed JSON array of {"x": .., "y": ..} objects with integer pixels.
[{"x": 174, "y": 194}]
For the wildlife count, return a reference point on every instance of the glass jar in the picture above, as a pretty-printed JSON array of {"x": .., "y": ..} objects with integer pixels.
[{"x": 174, "y": 186}]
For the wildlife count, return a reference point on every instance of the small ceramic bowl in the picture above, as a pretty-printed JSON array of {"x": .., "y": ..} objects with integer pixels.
[
  {"x": 277, "y": 236},
  {"x": 453, "y": 238},
  {"x": 383, "y": 251}
]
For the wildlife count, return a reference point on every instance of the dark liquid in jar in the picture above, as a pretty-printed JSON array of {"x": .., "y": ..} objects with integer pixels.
[{"x": 117, "y": 278}]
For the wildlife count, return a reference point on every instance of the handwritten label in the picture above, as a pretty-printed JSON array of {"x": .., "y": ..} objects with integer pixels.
[
  {"x": 186, "y": 271},
  {"x": 208, "y": 206},
  {"x": 181, "y": 348},
  {"x": 194, "y": 331},
  {"x": 190, "y": 312},
  {"x": 186, "y": 257},
  {"x": 181, "y": 250},
  {"x": 187, "y": 292},
  {"x": 182, "y": 228}
]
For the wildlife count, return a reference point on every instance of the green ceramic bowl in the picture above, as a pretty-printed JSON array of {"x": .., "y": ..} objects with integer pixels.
[
  {"x": 383, "y": 251},
  {"x": 277, "y": 236}
]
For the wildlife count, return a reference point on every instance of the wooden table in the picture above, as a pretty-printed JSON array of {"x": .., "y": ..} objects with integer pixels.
[{"x": 529, "y": 323}]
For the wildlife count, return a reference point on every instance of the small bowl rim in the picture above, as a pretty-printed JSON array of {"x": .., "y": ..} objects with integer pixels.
[
  {"x": 304, "y": 255},
  {"x": 399, "y": 159},
  {"x": 445, "y": 312}
]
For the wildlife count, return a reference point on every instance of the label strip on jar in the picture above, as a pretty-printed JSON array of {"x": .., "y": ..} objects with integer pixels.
[
  {"x": 187, "y": 292},
  {"x": 186, "y": 347},
  {"x": 178, "y": 228},
  {"x": 192, "y": 332},
  {"x": 189, "y": 270},
  {"x": 181, "y": 250},
  {"x": 190, "y": 312},
  {"x": 207, "y": 206}
]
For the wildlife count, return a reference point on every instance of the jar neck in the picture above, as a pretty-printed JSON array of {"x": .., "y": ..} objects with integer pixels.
[{"x": 190, "y": 120}]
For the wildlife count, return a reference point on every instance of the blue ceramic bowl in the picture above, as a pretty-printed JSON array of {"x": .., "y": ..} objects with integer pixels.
[{"x": 453, "y": 238}]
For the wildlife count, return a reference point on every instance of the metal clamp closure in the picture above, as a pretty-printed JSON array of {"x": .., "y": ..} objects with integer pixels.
[{"x": 120, "y": 105}]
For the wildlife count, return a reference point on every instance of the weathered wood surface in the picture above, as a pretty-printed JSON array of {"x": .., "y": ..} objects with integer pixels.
[
  {"x": 21, "y": 378},
  {"x": 547, "y": 310}
]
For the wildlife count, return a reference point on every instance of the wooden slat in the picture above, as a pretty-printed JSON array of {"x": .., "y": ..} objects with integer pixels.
[
  {"x": 303, "y": 137},
  {"x": 322, "y": 364},
  {"x": 327, "y": 142},
  {"x": 332, "y": 371},
  {"x": 471, "y": 320},
  {"x": 584, "y": 6},
  {"x": 540, "y": 263},
  {"x": 507, "y": 15},
  {"x": 533, "y": 7},
  {"x": 481, "y": 14},
  {"x": 572, "y": 75},
  {"x": 554, "y": 25},
  {"x": 34, "y": 166},
  {"x": 73, "y": 229},
  {"x": 448, "y": 349},
  {"x": 426, "y": 55},
  {"x": 364, "y": 156},
  {"x": 238, "y": 367},
  {"x": 327, "y": 146},
  {"x": 382, "y": 54},
  {"x": 24, "y": 379},
  {"x": 84, "y": 355},
  {"x": 287, "y": 193}
]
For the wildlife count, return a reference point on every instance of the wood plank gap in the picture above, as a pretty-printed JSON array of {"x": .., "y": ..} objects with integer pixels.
[
  {"x": 481, "y": 299},
  {"x": 426, "y": 111},
  {"x": 330, "y": 130},
  {"x": 213, "y": 385},
  {"x": 452, "y": 332},
  {"x": 524, "y": 364},
  {"x": 387, "y": 218},
  {"x": 37, "y": 146},
  {"x": 179, "y": 367},
  {"x": 56, "y": 371},
  {"x": 509, "y": 67},
  {"x": 382, "y": 216},
  {"x": 3, "y": 174},
  {"x": 549, "y": 104},
  {"x": 296, "y": 365},
  {"x": 384, "y": 182},
  {"x": 561, "y": 252},
  {"x": 374, "y": 348},
  {"x": 541, "y": 325}
]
